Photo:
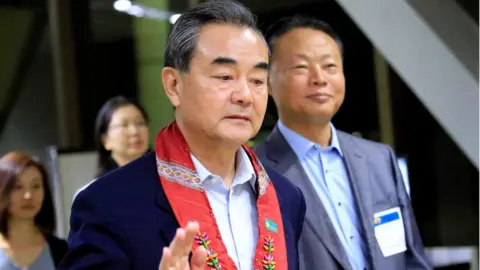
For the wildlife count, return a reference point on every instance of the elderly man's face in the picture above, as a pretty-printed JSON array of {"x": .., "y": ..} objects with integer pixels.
[{"x": 224, "y": 95}]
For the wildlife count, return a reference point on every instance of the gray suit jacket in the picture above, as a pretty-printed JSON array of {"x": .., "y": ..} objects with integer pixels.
[{"x": 377, "y": 185}]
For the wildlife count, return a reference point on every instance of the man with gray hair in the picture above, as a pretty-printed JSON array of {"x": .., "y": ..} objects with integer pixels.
[{"x": 232, "y": 213}]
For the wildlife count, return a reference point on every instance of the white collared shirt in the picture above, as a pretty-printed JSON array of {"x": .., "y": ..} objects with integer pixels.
[
  {"x": 235, "y": 210},
  {"x": 325, "y": 168}
]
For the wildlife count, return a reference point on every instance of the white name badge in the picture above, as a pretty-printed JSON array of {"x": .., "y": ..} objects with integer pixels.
[{"x": 389, "y": 231}]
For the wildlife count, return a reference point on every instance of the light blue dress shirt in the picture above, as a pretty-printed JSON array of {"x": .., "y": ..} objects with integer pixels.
[
  {"x": 235, "y": 209},
  {"x": 326, "y": 170}
]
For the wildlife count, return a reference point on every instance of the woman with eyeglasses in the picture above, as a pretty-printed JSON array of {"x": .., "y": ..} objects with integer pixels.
[{"x": 121, "y": 135}]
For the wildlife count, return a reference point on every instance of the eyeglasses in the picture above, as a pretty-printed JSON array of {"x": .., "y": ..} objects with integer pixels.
[{"x": 126, "y": 125}]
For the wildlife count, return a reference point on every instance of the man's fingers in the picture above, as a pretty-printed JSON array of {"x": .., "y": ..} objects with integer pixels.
[
  {"x": 176, "y": 255},
  {"x": 182, "y": 243},
  {"x": 166, "y": 259},
  {"x": 198, "y": 259},
  {"x": 191, "y": 231},
  {"x": 177, "y": 246}
]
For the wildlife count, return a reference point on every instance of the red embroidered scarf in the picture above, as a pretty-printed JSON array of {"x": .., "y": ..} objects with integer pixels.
[{"x": 189, "y": 202}]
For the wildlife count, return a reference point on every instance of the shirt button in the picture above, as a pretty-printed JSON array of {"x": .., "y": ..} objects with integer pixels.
[{"x": 339, "y": 204}]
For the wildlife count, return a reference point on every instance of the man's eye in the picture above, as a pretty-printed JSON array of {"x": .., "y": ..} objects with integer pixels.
[
  {"x": 258, "y": 82},
  {"x": 224, "y": 78}
]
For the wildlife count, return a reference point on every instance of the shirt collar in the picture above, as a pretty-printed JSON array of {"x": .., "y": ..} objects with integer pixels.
[
  {"x": 302, "y": 145},
  {"x": 244, "y": 169}
]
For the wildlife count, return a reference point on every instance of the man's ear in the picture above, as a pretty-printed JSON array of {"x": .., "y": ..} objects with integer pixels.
[
  {"x": 172, "y": 85},
  {"x": 269, "y": 86}
]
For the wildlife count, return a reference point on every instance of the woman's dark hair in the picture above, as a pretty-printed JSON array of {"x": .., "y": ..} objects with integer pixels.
[
  {"x": 11, "y": 166},
  {"x": 104, "y": 116}
]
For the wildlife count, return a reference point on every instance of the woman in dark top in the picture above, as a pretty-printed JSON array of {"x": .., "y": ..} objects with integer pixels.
[
  {"x": 27, "y": 216},
  {"x": 121, "y": 133}
]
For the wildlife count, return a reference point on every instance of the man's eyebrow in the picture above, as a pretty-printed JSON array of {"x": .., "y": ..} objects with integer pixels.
[
  {"x": 262, "y": 65},
  {"x": 326, "y": 56},
  {"x": 301, "y": 56},
  {"x": 231, "y": 61},
  {"x": 223, "y": 60},
  {"x": 306, "y": 57}
]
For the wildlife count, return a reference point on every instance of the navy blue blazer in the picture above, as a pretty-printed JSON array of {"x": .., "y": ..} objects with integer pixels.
[{"x": 123, "y": 220}]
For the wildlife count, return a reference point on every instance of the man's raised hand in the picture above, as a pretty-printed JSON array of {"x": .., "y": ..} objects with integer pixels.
[{"x": 175, "y": 257}]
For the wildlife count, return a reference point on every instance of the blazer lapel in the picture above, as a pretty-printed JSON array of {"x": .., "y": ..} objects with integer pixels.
[
  {"x": 287, "y": 163},
  {"x": 358, "y": 173},
  {"x": 161, "y": 201}
]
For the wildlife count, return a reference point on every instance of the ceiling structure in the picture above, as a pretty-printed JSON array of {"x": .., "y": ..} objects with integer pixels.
[{"x": 109, "y": 25}]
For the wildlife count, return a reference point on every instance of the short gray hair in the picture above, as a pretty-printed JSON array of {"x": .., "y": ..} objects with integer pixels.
[{"x": 183, "y": 39}]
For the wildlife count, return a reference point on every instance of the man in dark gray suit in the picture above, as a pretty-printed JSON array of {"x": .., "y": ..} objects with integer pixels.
[{"x": 358, "y": 213}]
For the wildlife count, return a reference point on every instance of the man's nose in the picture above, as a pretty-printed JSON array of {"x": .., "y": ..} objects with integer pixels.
[
  {"x": 243, "y": 94},
  {"x": 316, "y": 76}
]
